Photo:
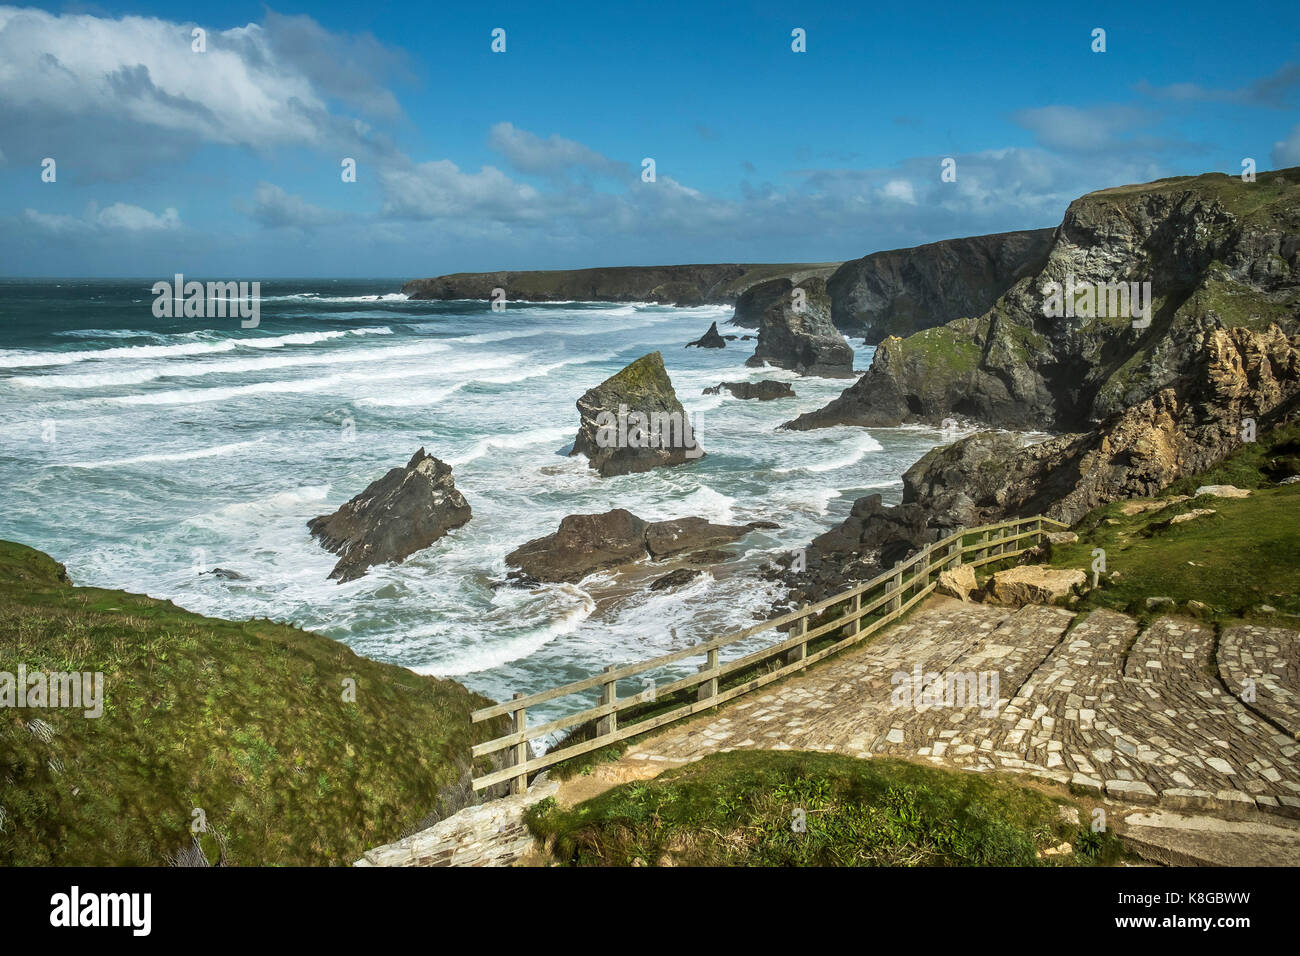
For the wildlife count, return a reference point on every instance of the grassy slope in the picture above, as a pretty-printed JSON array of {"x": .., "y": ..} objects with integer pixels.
[
  {"x": 1245, "y": 555},
  {"x": 737, "y": 809},
  {"x": 245, "y": 720}
]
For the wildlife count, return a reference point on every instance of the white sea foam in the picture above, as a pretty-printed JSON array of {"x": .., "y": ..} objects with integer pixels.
[
  {"x": 860, "y": 447},
  {"x": 538, "y": 436},
  {"x": 578, "y": 606},
  {"x": 160, "y": 457},
  {"x": 30, "y": 359}
]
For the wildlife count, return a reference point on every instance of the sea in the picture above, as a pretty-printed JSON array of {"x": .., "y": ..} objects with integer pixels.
[{"x": 142, "y": 452}]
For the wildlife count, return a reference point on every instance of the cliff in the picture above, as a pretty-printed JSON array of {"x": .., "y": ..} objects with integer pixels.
[
  {"x": 906, "y": 290},
  {"x": 1217, "y": 253},
  {"x": 685, "y": 285}
]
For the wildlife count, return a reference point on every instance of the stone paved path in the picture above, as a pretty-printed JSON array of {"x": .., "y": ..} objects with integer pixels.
[{"x": 1141, "y": 718}]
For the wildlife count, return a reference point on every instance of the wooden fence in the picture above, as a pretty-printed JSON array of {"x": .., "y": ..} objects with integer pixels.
[{"x": 863, "y": 610}]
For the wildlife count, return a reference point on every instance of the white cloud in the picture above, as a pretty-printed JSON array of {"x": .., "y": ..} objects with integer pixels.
[
  {"x": 440, "y": 190},
  {"x": 1073, "y": 129},
  {"x": 900, "y": 190},
  {"x": 275, "y": 208},
  {"x": 529, "y": 153},
  {"x": 117, "y": 218},
  {"x": 109, "y": 97}
]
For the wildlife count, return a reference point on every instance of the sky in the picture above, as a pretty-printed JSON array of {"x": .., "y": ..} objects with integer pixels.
[{"x": 227, "y": 162}]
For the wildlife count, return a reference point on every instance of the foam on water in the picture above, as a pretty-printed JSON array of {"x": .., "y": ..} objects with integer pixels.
[{"x": 265, "y": 430}]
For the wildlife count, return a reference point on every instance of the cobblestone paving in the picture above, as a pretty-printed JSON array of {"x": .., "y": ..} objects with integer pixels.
[
  {"x": 1270, "y": 656},
  {"x": 1142, "y": 718}
]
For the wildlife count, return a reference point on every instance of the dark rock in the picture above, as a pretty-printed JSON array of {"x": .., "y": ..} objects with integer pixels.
[
  {"x": 583, "y": 544},
  {"x": 729, "y": 338},
  {"x": 708, "y": 556},
  {"x": 903, "y": 291},
  {"x": 664, "y": 538},
  {"x": 403, "y": 512},
  {"x": 764, "y": 391},
  {"x": 675, "y": 579},
  {"x": 795, "y": 330},
  {"x": 587, "y": 543},
  {"x": 225, "y": 574},
  {"x": 633, "y": 422},
  {"x": 710, "y": 339}
]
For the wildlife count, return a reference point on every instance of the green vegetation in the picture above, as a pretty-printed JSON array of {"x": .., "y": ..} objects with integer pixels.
[
  {"x": 245, "y": 721},
  {"x": 740, "y": 809},
  {"x": 944, "y": 351},
  {"x": 1243, "y": 557}
]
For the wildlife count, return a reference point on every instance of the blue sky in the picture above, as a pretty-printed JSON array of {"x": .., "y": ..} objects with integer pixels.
[{"x": 226, "y": 163}]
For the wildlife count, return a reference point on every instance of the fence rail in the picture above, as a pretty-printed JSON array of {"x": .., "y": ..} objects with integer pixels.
[{"x": 883, "y": 599}]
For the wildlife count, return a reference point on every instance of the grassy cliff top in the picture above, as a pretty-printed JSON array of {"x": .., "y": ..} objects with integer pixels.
[
  {"x": 245, "y": 721},
  {"x": 1240, "y": 198},
  {"x": 1234, "y": 563}
]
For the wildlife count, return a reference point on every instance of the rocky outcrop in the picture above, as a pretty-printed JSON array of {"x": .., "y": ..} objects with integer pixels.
[
  {"x": 1238, "y": 375},
  {"x": 632, "y": 422},
  {"x": 795, "y": 330},
  {"x": 587, "y": 543},
  {"x": 710, "y": 339},
  {"x": 687, "y": 285},
  {"x": 903, "y": 291},
  {"x": 763, "y": 391},
  {"x": 403, "y": 512},
  {"x": 1217, "y": 253},
  {"x": 1031, "y": 584}
]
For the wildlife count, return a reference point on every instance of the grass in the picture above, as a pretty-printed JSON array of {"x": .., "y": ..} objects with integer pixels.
[
  {"x": 1243, "y": 557},
  {"x": 742, "y": 809},
  {"x": 244, "y": 721}
]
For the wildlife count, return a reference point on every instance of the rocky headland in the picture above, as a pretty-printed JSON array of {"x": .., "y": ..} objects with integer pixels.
[
  {"x": 684, "y": 285},
  {"x": 1217, "y": 253}
]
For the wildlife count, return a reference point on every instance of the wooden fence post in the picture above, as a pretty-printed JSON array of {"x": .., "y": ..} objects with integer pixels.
[
  {"x": 708, "y": 688},
  {"x": 895, "y": 587},
  {"x": 608, "y": 695},
  {"x": 800, "y": 651},
  {"x": 856, "y": 624},
  {"x": 519, "y": 753}
]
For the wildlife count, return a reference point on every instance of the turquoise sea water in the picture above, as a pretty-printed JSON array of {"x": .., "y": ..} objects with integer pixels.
[{"x": 139, "y": 451}]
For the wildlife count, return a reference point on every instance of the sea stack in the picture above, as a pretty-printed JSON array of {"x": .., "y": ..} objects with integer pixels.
[
  {"x": 632, "y": 422},
  {"x": 794, "y": 328},
  {"x": 403, "y": 512}
]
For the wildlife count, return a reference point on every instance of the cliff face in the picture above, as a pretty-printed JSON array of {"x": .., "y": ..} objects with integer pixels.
[
  {"x": 686, "y": 285},
  {"x": 1236, "y": 375},
  {"x": 1217, "y": 253},
  {"x": 906, "y": 290}
]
